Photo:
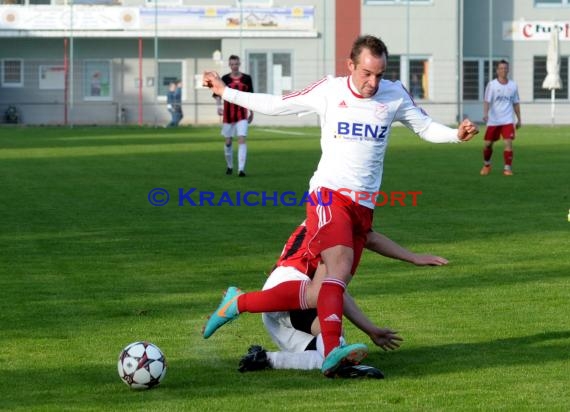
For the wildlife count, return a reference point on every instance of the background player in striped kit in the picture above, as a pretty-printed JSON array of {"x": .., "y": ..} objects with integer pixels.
[{"x": 236, "y": 119}]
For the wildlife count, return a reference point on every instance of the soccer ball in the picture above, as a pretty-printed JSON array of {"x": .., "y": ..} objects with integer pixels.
[{"x": 141, "y": 365}]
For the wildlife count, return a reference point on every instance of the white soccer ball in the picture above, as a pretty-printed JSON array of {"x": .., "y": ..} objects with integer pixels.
[{"x": 141, "y": 365}]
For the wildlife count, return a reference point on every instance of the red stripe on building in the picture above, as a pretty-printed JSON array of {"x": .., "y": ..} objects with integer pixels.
[{"x": 347, "y": 25}]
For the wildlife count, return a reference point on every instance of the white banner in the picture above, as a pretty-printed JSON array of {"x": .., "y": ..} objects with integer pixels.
[
  {"x": 63, "y": 17},
  {"x": 191, "y": 18},
  {"x": 535, "y": 30},
  {"x": 229, "y": 18}
]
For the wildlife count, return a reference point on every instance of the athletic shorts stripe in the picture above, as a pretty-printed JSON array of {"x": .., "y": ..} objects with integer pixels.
[{"x": 342, "y": 223}]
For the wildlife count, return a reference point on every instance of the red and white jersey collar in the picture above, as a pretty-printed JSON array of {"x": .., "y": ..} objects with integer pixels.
[{"x": 353, "y": 90}]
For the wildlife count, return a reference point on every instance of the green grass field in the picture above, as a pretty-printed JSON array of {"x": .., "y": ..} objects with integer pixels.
[{"x": 87, "y": 266}]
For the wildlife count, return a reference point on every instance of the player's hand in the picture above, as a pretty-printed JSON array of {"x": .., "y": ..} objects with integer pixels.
[
  {"x": 467, "y": 129},
  {"x": 429, "y": 260},
  {"x": 518, "y": 125},
  {"x": 213, "y": 81},
  {"x": 220, "y": 111},
  {"x": 485, "y": 119},
  {"x": 387, "y": 339},
  {"x": 250, "y": 117}
]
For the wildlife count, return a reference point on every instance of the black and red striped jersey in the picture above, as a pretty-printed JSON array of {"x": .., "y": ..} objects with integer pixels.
[
  {"x": 295, "y": 254},
  {"x": 232, "y": 112}
]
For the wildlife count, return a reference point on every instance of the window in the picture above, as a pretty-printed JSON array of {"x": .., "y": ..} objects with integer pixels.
[
  {"x": 486, "y": 70},
  {"x": 97, "y": 80},
  {"x": 168, "y": 72},
  {"x": 393, "y": 68},
  {"x": 551, "y": 3},
  {"x": 25, "y": 2},
  {"x": 471, "y": 80},
  {"x": 271, "y": 72},
  {"x": 282, "y": 80},
  {"x": 476, "y": 77},
  {"x": 413, "y": 73},
  {"x": 257, "y": 64},
  {"x": 416, "y": 74},
  {"x": 539, "y": 73},
  {"x": 418, "y": 79},
  {"x": 12, "y": 73}
]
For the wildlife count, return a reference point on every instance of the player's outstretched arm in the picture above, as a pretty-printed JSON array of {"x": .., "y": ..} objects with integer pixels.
[
  {"x": 485, "y": 111},
  {"x": 517, "y": 109},
  {"x": 214, "y": 82},
  {"x": 385, "y": 338},
  {"x": 385, "y": 246},
  {"x": 467, "y": 129},
  {"x": 310, "y": 101}
]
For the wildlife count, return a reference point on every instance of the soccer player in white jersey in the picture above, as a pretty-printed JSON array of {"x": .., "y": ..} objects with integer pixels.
[
  {"x": 356, "y": 115},
  {"x": 297, "y": 333},
  {"x": 501, "y": 103}
]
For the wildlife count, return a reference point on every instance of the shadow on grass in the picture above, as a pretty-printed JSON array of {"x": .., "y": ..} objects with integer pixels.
[
  {"x": 188, "y": 383},
  {"x": 89, "y": 138},
  {"x": 534, "y": 349},
  {"x": 448, "y": 280},
  {"x": 212, "y": 380}
]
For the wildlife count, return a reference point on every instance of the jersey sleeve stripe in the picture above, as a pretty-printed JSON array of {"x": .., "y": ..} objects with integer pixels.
[{"x": 306, "y": 90}]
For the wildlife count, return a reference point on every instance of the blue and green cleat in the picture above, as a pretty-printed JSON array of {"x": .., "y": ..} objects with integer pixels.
[
  {"x": 342, "y": 356},
  {"x": 226, "y": 312}
]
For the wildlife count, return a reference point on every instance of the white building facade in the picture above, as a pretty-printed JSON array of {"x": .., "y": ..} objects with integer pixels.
[{"x": 110, "y": 61}]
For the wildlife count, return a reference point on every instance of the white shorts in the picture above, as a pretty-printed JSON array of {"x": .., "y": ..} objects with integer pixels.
[
  {"x": 278, "y": 324},
  {"x": 235, "y": 129}
]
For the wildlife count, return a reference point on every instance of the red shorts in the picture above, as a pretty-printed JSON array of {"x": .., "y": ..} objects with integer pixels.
[
  {"x": 336, "y": 221},
  {"x": 494, "y": 133}
]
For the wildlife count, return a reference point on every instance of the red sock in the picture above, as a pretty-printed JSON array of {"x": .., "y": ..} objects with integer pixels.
[
  {"x": 487, "y": 153},
  {"x": 508, "y": 156},
  {"x": 329, "y": 308},
  {"x": 283, "y": 297}
]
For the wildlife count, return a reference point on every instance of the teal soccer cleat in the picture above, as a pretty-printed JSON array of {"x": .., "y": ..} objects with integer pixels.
[
  {"x": 226, "y": 312},
  {"x": 343, "y": 355}
]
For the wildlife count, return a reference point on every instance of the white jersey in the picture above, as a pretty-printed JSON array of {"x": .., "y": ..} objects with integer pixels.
[
  {"x": 501, "y": 98},
  {"x": 354, "y": 130}
]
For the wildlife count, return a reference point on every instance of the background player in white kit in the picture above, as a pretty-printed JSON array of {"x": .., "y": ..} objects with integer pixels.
[
  {"x": 356, "y": 114},
  {"x": 501, "y": 103}
]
